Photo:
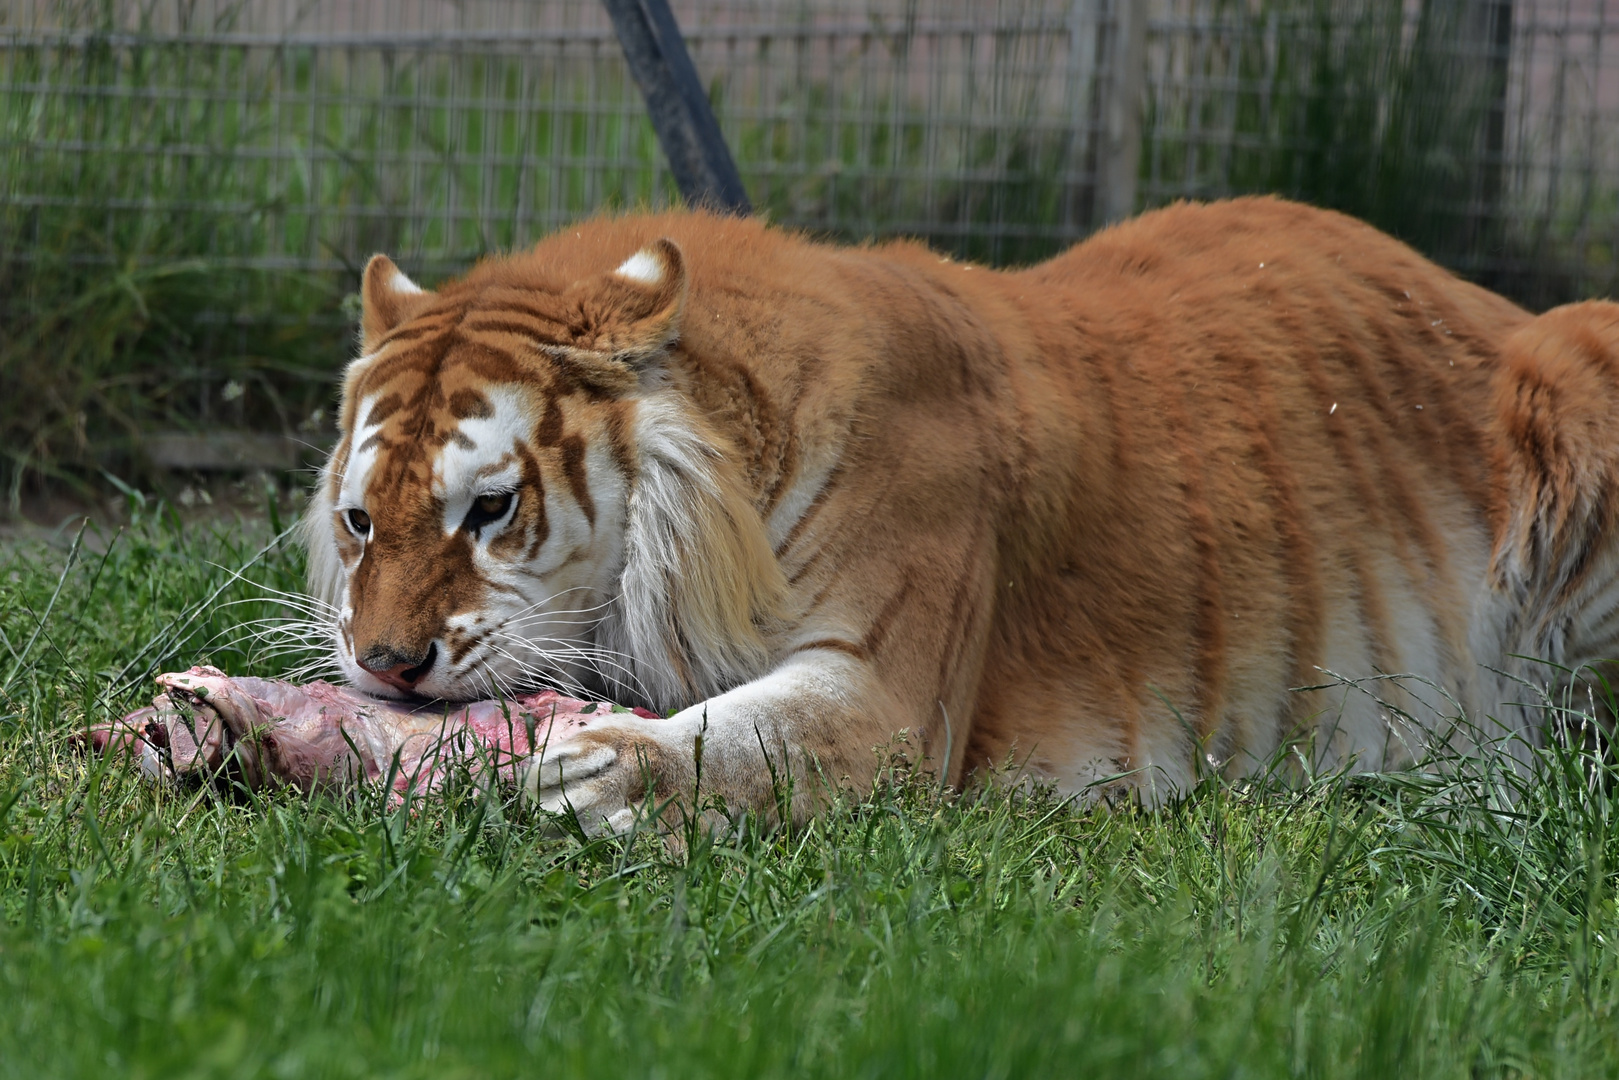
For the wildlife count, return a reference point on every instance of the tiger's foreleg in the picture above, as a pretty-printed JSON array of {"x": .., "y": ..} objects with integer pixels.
[{"x": 779, "y": 744}]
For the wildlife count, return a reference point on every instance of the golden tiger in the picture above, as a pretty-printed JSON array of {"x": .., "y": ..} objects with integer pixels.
[{"x": 1094, "y": 519}]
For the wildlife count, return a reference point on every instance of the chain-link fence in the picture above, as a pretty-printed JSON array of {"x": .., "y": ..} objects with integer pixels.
[{"x": 188, "y": 186}]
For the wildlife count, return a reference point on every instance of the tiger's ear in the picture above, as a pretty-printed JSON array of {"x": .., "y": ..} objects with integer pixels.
[
  {"x": 387, "y": 299},
  {"x": 621, "y": 323}
]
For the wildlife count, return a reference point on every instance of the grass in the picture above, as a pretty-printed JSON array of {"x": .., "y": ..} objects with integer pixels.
[{"x": 1373, "y": 926}]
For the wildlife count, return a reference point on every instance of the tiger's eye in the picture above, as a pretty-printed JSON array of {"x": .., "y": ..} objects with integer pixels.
[
  {"x": 359, "y": 523},
  {"x": 486, "y": 509}
]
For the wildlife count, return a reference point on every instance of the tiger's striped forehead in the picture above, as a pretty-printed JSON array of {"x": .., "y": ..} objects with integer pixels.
[{"x": 436, "y": 421}]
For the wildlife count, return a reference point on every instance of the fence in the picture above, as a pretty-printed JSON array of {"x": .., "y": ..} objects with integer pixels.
[
  {"x": 187, "y": 187},
  {"x": 1486, "y": 132},
  {"x": 308, "y": 135}
]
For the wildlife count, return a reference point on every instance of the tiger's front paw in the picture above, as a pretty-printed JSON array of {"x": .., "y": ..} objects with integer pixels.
[{"x": 603, "y": 776}]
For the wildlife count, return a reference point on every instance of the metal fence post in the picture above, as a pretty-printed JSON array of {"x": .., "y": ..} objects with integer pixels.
[
  {"x": 687, "y": 130},
  {"x": 1121, "y": 135},
  {"x": 1496, "y": 50}
]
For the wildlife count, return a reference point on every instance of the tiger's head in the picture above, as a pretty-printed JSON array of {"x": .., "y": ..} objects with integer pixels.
[{"x": 522, "y": 496}]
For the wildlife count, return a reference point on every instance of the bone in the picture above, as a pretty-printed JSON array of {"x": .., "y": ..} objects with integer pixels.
[{"x": 268, "y": 734}]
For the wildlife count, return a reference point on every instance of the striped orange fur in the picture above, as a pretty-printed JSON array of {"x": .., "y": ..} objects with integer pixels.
[{"x": 1095, "y": 518}]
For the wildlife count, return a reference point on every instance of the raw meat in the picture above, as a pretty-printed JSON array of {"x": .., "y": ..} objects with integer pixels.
[{"x": 266, "y": 733}]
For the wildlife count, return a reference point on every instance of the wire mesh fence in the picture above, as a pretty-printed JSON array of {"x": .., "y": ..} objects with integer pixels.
[
  {"x": 308, "y": 135},
  {"x": 1485, "y": 132},
  {"x": 188, "y": 187}
]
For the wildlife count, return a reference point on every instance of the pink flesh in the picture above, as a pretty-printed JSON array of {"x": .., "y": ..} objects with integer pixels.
[{"x": 269, "y": 733}]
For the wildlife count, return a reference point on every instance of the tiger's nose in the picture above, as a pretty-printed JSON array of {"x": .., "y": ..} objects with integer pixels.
[{"x": 397, "y": 669}]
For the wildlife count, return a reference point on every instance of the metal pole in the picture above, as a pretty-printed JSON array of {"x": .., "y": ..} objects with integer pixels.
[
  {"x": 1121, "y": 148},
  {"x": 1498, "y": 52},
  {"x": 685, "y": 124}
]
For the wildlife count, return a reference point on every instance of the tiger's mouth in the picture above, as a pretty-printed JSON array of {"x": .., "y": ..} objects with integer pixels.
[{"x": 499, "y": 664}]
